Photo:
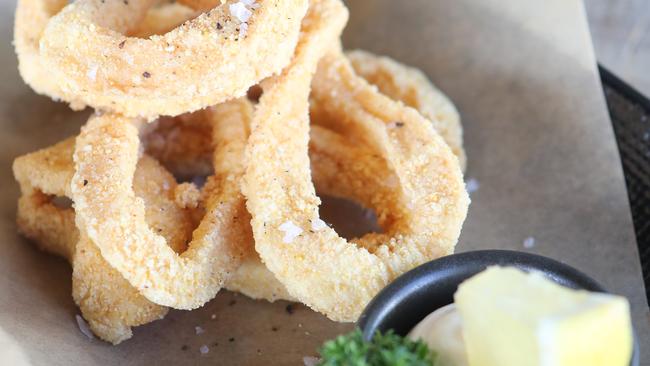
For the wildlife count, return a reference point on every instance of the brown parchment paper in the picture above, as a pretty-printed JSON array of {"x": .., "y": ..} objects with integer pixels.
[{"x": 539, "y": 142}]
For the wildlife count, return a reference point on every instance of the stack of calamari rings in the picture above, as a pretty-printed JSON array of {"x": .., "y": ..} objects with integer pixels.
[{"x": 254, "y": 106}]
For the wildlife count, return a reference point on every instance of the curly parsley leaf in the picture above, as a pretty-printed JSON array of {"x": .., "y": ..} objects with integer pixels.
[{"x": 384, "y": 349}]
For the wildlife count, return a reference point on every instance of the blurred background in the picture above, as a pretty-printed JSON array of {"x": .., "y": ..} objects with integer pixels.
[{"x": 621, "y": 34}]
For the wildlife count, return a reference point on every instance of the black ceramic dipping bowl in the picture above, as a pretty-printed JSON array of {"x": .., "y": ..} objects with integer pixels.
[{"x": 417, "y": 293}]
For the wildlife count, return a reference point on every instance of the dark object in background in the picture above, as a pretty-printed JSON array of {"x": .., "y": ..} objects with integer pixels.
[
  {"x": 414, "y": 295},
  {"x": 630, "y": 114}
]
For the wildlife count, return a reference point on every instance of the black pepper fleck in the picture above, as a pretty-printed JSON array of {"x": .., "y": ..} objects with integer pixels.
[
  {"x": 146, "y": 74},
  {"x": 126, "y": 2},
  {"x": 232, "y": 302},
  {"x": 399, "y": 124},
  {"x": 289, "y": 309},
  {"x": 121, "y": 45},
  {"x": 219, "y": 26},
  {"x": 184, "y": 347},
  {"x": 85, "y": 182},
  {"x": 274, "y": 329},
  {"x": 231, "y": 339}
]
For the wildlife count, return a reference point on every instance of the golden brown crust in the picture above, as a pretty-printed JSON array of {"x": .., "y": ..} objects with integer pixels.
[
  {"x": 107, "y": 301},
  {"x": 109, "y": 212},
  {"x": 204, "y": 61},
  {"x": 412, "y": 87},
  {"x": 318, "y": 267}
]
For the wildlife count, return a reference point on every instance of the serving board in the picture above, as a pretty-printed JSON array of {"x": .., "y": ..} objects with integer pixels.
[{"x": 540, "y": 147}]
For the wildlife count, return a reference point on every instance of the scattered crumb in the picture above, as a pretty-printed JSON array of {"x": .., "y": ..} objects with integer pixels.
[
  {"x": 472, "y": 185},
  {"x": 83, "y": 327},
  {"x": 310, "y": 360},
  {"x": 213, "y": 316},
  {"x": 529, "y": 242},
  {"x": 291, "y": 231},
  {"x": 204, "y": 349},
  {"x": 307, "y": 333},
  {"x": 199, "y": 330}
]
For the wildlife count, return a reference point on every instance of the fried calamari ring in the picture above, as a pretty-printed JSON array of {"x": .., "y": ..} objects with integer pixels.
[
  {"x": 317, "y": 266},
  {"x": 112, "y": 216},
  {"x": 412, "y": 87},
  {"x": 207, "y": 60},
  {"x": 31, "y": 19},
  {"x": 340, "y": 168},
  {"x": 106, "y": 300}
]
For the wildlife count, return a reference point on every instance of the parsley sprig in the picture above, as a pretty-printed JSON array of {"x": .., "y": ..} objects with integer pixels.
[{"x": 384, "y": 349}]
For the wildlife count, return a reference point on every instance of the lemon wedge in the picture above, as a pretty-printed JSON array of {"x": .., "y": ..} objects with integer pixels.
[{"x": 514, "y": 318}]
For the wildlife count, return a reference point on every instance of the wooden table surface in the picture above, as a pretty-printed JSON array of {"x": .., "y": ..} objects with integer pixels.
[{"x": 621, "y": 34}]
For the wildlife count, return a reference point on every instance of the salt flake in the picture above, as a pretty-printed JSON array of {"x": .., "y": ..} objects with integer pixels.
[
  {"x": 472, "y": 185},
  {"x": 310, "y": 360},
  {"x": 92, "y": 73},
  {"x": 239, "y": 11},
  {"x": 291, "y": 231},
  {"x": 84, "y": 327},
  {"x": 199, "y": 330},
  {"x": 204, "y": 349},
  {"x": 243, "y": 29},
  {"x": 318, "y": 224}
]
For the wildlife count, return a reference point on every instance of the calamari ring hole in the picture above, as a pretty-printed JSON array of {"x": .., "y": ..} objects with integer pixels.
[
  {"x": 163, "y": 18},
  {"x": 348, "y": 218},
  {"x": 61, "y": 202},
  {"x": 183, "y": 145}
]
